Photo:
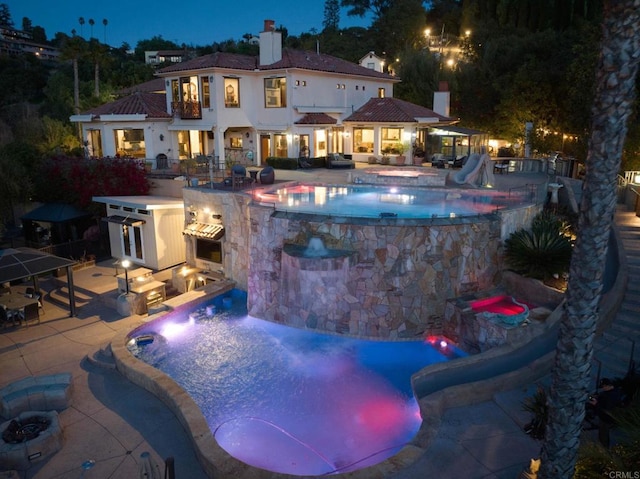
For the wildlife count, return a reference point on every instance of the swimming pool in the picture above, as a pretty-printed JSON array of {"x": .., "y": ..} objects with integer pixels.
[
  {"x": 369, "y": 201},
  {"x": 290, "y": 400}
]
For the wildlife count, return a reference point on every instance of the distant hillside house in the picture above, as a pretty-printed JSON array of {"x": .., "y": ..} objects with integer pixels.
[
  {"x": 16, "y": 43},
  {"x": 165, "y": 56},
  {"x": 281, "y": 103}
]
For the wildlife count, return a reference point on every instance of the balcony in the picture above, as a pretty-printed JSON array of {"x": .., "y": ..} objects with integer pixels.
[{"x": 187, "y": 110}]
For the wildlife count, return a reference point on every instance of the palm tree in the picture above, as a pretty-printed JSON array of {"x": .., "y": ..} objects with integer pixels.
[
  {"x": 613, "y": 103},
  {"x": 105, "y": 22},
  {"x": 98, "y": 53},
  {"x": 81, "y": 22},
  {"x": 92, "y": 22},
  {"x": 73, "y": 49}
]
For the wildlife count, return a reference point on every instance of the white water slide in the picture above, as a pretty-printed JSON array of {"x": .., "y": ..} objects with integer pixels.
[{"x": 477, "y": 171}]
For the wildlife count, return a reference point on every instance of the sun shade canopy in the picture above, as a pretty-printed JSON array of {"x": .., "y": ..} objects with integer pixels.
[
  {"x": 18, "y": 263},
  {"x": 203, "y": 230},
  {"x": 124, "y": 220}
]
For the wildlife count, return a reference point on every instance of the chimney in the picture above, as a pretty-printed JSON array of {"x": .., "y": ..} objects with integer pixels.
[
  {"x": 270, "y": 44},
  {"x": 441, "y": 99}
]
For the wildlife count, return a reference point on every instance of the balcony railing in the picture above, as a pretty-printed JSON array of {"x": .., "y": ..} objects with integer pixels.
[{"x": 187, "y": 110}]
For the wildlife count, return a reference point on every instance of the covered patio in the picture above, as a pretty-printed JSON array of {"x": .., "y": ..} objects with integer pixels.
[{"x": 19, "y": 263}]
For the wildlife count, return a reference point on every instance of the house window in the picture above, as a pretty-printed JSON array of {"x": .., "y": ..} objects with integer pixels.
[
  {"x": 275, "y": 92},
  {"x": 363, "y": 140},
  {"x": 390, "y": 139},
  {"x": 206, "y": 93},
  {"x": 131, "y": 237},
  {"x": 95, "y": 143},
  {"x": 130, "y": 143},
  {"x": 232, "y": 92},
  {"x": 175, "y": 91},
  {"x": 281, "y": 146},
  {"x": 189, "y": 89},
  {"x": 381, "y": 93},
  {"x": 235, "y": 142}
]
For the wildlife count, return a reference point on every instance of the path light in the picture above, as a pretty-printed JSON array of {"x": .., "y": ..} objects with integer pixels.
[{"x": 125, "y": 264}]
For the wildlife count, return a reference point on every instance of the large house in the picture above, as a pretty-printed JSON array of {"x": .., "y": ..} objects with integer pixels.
[{"x": 283, "y": 103}]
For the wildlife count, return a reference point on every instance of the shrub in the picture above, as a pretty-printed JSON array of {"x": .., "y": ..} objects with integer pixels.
[{"x": 543, "y": 252}]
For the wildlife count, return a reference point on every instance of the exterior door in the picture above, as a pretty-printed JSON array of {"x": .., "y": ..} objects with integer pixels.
[{"x": 265, "y": 149}]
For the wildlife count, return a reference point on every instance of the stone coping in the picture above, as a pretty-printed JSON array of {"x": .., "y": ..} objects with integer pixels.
[{"x": 469, "y": 380}]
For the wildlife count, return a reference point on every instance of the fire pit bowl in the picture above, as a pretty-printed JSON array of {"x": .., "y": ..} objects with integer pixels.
[{"x": 29, "y": 437}]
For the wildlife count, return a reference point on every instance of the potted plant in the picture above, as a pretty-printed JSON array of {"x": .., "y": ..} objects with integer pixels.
[
  {"x": 400, "y": 148},
  {"x": 228, "y": 164}
]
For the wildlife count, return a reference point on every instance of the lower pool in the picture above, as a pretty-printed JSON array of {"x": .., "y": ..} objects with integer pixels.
[{"x": 289, "y": 400}]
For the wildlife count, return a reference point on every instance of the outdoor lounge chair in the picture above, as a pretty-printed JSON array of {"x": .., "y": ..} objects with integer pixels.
[{"x": 267, "y": 175}]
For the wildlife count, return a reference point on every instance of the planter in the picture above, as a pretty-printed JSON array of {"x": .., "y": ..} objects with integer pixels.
[
  {"x": 417, "y": 160},
  {"x": 400, "y": 159}
]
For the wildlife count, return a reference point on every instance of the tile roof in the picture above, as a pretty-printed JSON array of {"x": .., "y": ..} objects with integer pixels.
[
  {"x": 233, "y": 61},
  {"x": 152, "y": 86},
  {"x": 394, "y": 110},
  {"x": 153, "y": 105},
  {"x": 290, "y": 59},
  {"x": 316, "y": 119}
]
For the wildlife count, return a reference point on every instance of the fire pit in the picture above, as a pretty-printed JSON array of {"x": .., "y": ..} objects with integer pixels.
[{"x": 30, "y": 437}]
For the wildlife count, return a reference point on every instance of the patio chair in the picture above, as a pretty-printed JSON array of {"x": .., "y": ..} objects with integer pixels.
[
  {"x": 238, "y": 176},
  {"x": 31, "y": 293},
  {"x": 501, "y": 166},
  {"x": 6, "y": 316},
  {"x": 267, "y": 175},
  {"x": 30, "y": 312}
]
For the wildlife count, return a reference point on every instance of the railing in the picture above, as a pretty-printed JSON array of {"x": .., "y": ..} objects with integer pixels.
[
  {"x": 76, "y": 250},
  {"x": 187, "y": 110}
]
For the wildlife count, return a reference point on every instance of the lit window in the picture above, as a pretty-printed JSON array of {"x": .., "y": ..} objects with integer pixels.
[
  {"x": 275, "y": 92},
  {"x": 381, "y": 93},
  {"x": 206, "y": 93},
  {"x": 231, "y": 92},
  {"x": 130, "y": 143},
  {"x": 363, "y": 140}
]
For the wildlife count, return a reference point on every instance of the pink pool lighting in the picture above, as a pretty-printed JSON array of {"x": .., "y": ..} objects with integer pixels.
[{"x": 503, "y": 304}]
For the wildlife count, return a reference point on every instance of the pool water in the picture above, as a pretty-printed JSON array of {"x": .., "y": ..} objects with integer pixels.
[
  {"x": 290, "y": 400},
  {"x": 367, "y": 201}
]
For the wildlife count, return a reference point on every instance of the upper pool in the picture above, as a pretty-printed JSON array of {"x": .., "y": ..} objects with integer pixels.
[
  {"x": 290, "y": 400},
  {"x": 370, "y": 201}
]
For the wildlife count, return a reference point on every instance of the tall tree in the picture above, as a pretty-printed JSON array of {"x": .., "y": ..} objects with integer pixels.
[
  {"x": 5, "y": 16},
  {"x": 359, "y": 8},
  {"x": 98, "y": 53},
  {"x": 92, "y": 22},
  {"x": 73, "y": 49},
  {"x": 614, "y": 100},
  {"x": 105, "y": 22},
  {"x": 331, "y": 15},
  {"x": 81, "y": 22}
]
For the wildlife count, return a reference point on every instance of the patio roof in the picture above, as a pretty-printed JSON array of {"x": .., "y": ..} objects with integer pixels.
[{"x": 19, "y": 263}]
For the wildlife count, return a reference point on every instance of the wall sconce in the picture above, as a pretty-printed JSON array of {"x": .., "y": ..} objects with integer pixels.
[
  {"x": 246, "y": 134},
  {"x": 347, "y": 134},
  {"x": 161, "y": 137}
]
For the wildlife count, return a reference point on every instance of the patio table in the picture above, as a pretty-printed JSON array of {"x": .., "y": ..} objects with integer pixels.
[{"x": 15, "y": 302}]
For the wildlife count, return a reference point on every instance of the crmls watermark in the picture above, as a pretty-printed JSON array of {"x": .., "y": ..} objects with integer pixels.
[{"x": 623, "y": 474}]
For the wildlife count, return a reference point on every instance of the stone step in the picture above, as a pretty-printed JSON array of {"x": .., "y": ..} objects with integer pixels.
[
  {"x": 613, "y": 364},
  {"x": 60, "y": 297},
  {"x": 102, "y": 358}
]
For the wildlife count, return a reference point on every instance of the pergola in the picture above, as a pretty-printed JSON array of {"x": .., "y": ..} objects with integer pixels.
[{"x": 19, "y": 263}]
